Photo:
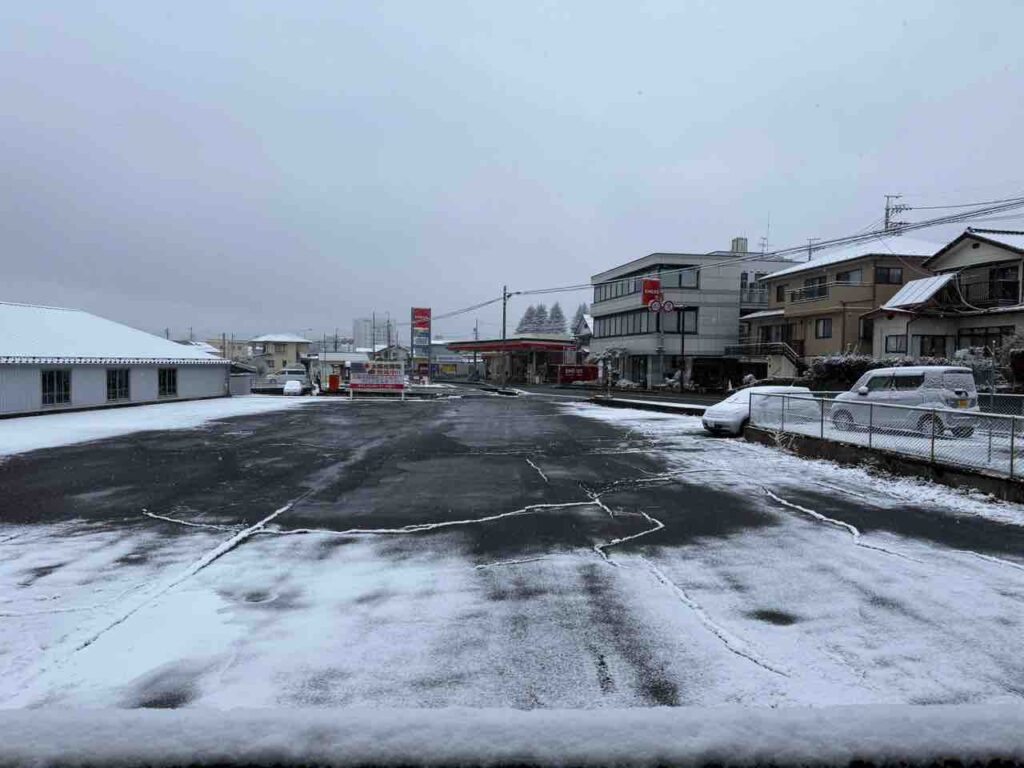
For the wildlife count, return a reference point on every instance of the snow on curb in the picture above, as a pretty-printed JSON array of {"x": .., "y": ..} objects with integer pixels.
[
  {"x": 52, "y": 430},
  {"x": 635, "y": 737}
]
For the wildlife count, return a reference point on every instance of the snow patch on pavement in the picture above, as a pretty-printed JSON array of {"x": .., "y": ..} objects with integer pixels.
[{"x": 52, "y": 430}]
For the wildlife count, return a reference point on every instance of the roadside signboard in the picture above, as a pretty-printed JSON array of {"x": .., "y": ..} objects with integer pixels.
[
  {"x": 379, "y": 376},
  {"x": 421, "y": 333},
  {"x": 651, "y": 287}
]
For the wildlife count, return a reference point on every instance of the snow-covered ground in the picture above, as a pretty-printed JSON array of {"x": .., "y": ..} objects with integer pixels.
[
  {"x": 31, "y": 433},
  {"x": 738, "y": 736},
  {"x": 651, "y": 564}
]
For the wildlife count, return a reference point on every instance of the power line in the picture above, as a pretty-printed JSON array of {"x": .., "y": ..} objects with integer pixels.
[
  {"x": 959, "y": 205},
  {"x": 995, "y": 206}
]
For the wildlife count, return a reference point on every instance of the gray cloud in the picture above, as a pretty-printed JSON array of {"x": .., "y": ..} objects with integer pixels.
[{"x": 245, "y": 167}]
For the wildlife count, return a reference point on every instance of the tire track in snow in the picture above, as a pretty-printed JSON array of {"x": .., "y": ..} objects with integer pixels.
[
  {"x": 849, "y": 528},
  {"x": 734, "y": 644},
  {"x": 192, "y": 570},
  {"x": 501, "y": 563}
]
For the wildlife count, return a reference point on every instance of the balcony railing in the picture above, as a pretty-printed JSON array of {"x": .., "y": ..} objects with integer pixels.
[
  {"x": 809, "y": 293},
  {"x": 791, "y": 350},
  {"x": 754, "y": 296}
]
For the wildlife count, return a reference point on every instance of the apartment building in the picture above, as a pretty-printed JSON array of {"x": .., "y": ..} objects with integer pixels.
[
  {"x": 279, "y": 350},
  {"x": 710, "y": 292},
  {"x": 820, "y": 307}
]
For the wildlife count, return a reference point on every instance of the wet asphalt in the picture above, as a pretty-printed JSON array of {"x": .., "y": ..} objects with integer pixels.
[{"x": 388, "y": 465}]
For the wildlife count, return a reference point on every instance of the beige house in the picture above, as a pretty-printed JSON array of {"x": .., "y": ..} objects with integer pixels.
[
  {"x": 231, "y": 348},
  {"x": 279, "y": 350},
  {"x": 818, "y": 308},
  {"x": 974, "y": 302}
]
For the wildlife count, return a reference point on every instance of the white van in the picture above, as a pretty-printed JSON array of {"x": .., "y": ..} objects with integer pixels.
[{"x": 947, "y": 392}]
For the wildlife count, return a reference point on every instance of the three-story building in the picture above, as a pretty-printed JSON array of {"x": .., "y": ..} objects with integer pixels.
[{"x": 710, "y": 292}]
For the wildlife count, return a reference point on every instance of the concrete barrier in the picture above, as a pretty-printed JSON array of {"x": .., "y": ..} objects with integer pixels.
[{"x": 896, "y": 463}]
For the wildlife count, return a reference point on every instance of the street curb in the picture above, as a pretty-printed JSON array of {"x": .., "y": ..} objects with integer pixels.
[{"x": 678, "y": 409}]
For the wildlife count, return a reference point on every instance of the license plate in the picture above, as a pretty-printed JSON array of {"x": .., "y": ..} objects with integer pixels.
[{"x": 961, "y": 403}]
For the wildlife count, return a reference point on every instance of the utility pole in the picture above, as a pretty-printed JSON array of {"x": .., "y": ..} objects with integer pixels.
[
  {"x": 810, "y": 246},
  {"x": 504, "y": 323},
  {"x": 373, "y": 335},
  {"x": 891, "y": 209},
  {"x": 476, "y": 337}
]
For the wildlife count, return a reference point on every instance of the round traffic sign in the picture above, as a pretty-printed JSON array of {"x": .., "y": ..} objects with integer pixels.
[
  {"x": 654, "y": 306},
  {"x": 668, "y": 306}
]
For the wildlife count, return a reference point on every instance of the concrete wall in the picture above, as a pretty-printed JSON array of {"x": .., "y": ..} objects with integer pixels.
[{"x": 21, "y": 386}]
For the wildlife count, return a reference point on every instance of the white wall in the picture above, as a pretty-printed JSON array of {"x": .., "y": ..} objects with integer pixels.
[{"x": 21, "y": 385}]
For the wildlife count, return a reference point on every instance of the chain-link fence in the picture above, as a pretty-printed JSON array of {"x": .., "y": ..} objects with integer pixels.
[{"x": 964, "y": 437}]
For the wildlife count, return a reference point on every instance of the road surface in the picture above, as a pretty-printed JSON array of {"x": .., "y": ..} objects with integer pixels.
[{"x": 492, "y": 551}]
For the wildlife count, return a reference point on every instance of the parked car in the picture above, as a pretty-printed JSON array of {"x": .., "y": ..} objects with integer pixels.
[
  {"x": 291, "y": 373},
  {"x": 731, "y": 415},
  {"x": 942, "y": 398}
]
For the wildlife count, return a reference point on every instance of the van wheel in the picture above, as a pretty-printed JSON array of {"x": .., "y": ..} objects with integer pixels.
[
  {"x": 843, "y": 421},
  {"x": 924, "y": 426}
]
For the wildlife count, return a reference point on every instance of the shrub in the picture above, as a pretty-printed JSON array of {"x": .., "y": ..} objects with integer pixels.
[{"x": 841, "y": 371}]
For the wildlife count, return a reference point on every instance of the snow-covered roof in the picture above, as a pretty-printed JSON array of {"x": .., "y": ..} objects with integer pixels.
[
  {"x": 34, "y": 334},
  {"x": 207, "y": 348},
  {"x": 917, "y": 292},
  {"x": 1011, "y": 238},
  {"x": 280, "y": 338},
  {"x": 762, "y": 313},
  {"x": 344, "y": 357},
  {"x": 889, "y": 246}
]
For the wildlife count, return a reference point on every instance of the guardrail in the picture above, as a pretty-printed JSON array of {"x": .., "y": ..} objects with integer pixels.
[{"x": 952, "y": 436}]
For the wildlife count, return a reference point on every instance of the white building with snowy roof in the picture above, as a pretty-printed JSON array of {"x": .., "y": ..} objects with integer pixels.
[{"x": 54, "y": 359}]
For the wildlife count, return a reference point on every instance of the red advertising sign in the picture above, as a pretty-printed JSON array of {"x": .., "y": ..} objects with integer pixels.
[
  {"x": 421, "y": 318},
  {"x": 377, "y": 376},
  {"x": 651, "y": 287},
  {"x": 420, "y": 333}
]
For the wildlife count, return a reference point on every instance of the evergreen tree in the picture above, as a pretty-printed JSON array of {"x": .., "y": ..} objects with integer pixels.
[
  {"x": 540, "y": 324},
  {"x": 556, "y": 320},
  {"x": 527, "y": 321}
]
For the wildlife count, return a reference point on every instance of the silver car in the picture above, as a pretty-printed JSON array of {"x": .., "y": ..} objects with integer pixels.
[{"x": 940, "y": 398}]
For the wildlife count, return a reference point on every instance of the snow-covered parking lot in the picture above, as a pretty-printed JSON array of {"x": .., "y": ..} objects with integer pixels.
[{"x": 492, "y": 552}]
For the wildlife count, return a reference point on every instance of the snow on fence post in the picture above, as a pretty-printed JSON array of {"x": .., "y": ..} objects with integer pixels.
[
  {"x": 933, "y": 437},
  {"x": 871, "y": 424},
  {"x": 782, "y": 422},
  {"x": 1013, "y": 442}
]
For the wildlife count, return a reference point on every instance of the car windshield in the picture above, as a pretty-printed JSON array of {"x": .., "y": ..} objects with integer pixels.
[{"x": 429, "y": 383}]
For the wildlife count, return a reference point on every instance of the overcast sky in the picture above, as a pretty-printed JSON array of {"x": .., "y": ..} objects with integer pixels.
[{"x": 252, "y": 167}]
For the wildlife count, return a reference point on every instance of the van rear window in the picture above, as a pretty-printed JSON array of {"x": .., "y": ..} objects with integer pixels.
[{"x": 959, "y": 381}]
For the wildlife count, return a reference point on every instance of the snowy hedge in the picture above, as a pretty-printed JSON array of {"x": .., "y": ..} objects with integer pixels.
[{"x": 841, "y": 371}]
